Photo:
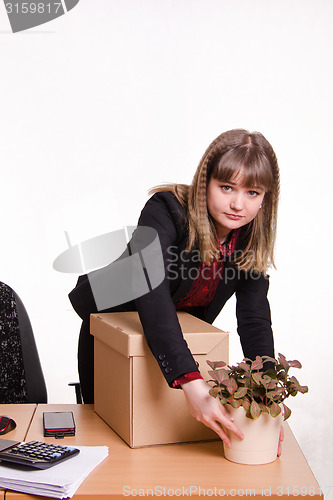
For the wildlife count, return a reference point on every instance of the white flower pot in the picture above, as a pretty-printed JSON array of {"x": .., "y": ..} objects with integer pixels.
[{"x": 261, "y": 440}]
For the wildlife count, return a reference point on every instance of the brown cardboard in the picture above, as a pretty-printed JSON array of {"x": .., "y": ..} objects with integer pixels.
[{"x": 131, "y": 394}]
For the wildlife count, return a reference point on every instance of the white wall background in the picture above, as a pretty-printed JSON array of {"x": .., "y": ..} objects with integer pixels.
[{"x": 122, "y": 95}]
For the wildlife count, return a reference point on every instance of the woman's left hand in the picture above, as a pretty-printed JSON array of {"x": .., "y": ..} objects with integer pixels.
[{"x": 281, "y": 438}]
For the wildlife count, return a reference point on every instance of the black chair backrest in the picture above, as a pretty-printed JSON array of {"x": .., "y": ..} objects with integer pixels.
[{"x": 21, "y": 376}]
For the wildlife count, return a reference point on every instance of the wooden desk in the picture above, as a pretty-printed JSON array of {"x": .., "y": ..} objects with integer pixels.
[
  {"x": 194, "y": 470},
  {"x": 23, "y": 415}
]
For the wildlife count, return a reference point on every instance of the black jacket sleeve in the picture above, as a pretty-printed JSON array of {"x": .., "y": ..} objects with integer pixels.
[
  {"x": 253, "y": 315},
  {"x": 156, "y": 309}
]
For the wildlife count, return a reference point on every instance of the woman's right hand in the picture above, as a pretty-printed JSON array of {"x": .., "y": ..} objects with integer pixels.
[{"x": 209, "y": 410}]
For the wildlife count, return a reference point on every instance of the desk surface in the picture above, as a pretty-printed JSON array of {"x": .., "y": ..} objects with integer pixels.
[
  {"x": 23, "y": 415},
  {"x": 193, "y": 469}
]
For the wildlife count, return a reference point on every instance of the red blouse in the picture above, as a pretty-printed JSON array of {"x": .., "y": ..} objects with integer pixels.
[
  {"x": 203, "y": 290},
  {"x": 204, "y": 287}
]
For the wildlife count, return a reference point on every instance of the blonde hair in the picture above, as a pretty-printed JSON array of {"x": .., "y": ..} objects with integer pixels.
[{"x": 231, "y": 152}]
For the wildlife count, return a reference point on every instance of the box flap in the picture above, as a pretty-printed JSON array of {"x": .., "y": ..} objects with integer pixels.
[{"x": 123, "y": 332}]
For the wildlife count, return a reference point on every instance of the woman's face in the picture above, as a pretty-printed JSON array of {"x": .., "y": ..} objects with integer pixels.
[{"x": 231, "y": 204}]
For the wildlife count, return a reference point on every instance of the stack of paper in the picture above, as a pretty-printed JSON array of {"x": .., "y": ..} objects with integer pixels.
[{"x": 59, "y": 481}]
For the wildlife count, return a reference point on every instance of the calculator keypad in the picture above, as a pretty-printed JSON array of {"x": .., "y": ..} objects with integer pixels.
[{"x": 38, "y": 454}]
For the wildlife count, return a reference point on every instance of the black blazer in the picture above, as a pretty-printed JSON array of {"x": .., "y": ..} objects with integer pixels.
[{"x": 156, "y": 309}]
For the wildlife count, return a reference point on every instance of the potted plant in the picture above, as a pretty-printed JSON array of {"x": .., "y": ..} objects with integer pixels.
[{"x": 255, "y": 398}]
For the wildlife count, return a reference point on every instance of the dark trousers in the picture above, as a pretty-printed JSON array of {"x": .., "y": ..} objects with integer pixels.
[
  {"x": 86, "y": 353},
  {"x": 86, "y": 362}
]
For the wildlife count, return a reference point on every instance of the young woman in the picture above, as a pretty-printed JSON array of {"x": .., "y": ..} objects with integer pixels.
[{"x": 217, "y": 238}]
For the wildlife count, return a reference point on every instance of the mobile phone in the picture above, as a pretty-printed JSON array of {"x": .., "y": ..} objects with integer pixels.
[{"x": 58, "y": 424}]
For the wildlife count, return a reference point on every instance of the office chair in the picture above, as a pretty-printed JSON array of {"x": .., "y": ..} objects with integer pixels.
[
  {"x": 78, "y": 394},
  {"x": 21, "y": 376}
]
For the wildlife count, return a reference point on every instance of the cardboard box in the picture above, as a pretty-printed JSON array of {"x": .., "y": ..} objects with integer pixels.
[{"x": 131, "y": 394}]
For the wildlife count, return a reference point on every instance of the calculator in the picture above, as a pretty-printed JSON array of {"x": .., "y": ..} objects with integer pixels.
[{"x": 37, "y": 454}]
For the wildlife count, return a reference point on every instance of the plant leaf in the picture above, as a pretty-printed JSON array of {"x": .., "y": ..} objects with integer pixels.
[
  {"x": 245, "y": 381},
  {"x": 212, "y": 373},
  {"x": 269, "y": 358},
  {"x": 255, "y": 410},
  {"x": 266, "y": 380},
  {"x": 218, "y": 375},
  {"x": 286, "y": 411},
  {"x": 231, "y": 385},
  {"x": 273, "y": 394},
  {"x": 257, "y": 377},
  {"x": 283, "y": 361},
  {"x": 257, "y": 364},
  {"x": 263, "y": 408},
  {"x": 216, "y": 364},
  {"x": 295, "y": 363},
  {"x": 244, "y": 366},
  {"x": 282, "y": 375},
  {"x": 270, "y": 373},
  {"x": 246, "y": 404},
  {"x": 234, "y": 402},
  {"x": 294, "y": 388},
  {"x": 240, "y": 393},
  {"x": 275, "y": 410},
  {"x": 214, "y": 392}
]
